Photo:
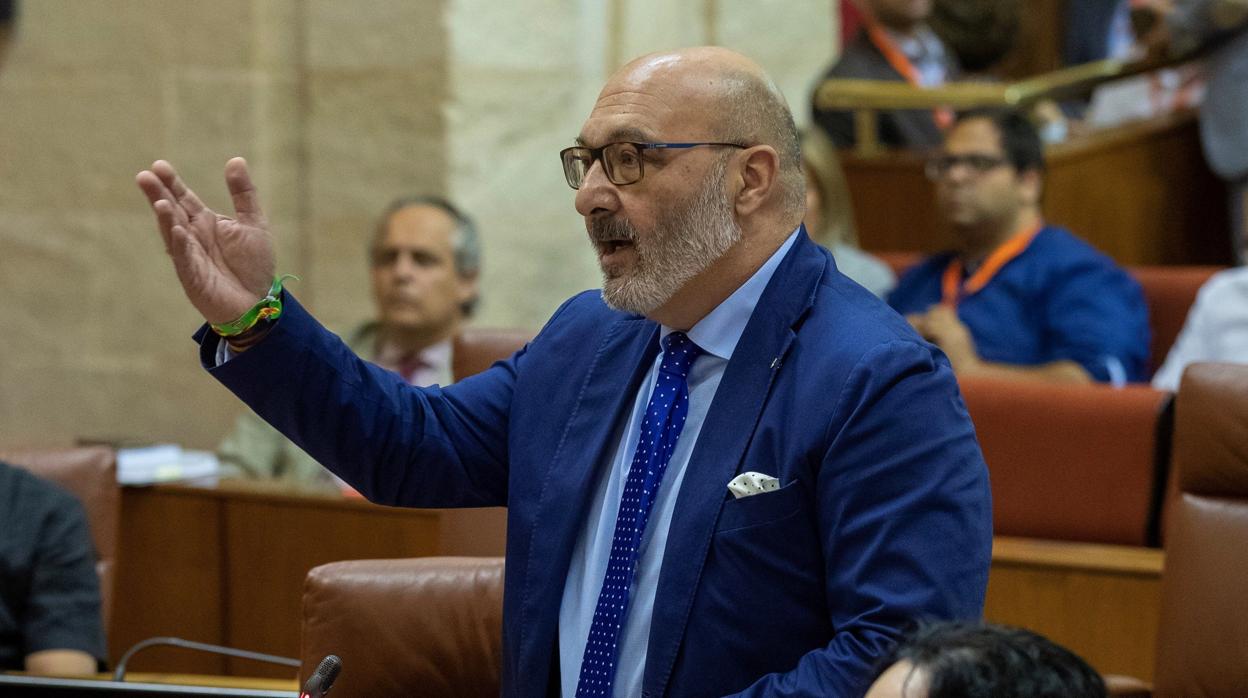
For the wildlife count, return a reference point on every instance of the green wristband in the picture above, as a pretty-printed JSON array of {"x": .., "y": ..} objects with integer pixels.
[{"x": 269, "y": 308}]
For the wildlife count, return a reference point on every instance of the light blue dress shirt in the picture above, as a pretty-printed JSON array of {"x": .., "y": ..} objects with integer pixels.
[{"x": 717, "y": 334}]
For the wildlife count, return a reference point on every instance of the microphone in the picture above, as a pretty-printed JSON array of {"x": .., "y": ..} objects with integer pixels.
[
  {"x": 120, "y": 673},
  {"x": 319, "y": 683}
]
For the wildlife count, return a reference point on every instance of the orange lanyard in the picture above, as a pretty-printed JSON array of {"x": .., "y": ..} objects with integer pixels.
[
  {"x": 902, "y": 64},
  {"x": 952, "y": 290}
]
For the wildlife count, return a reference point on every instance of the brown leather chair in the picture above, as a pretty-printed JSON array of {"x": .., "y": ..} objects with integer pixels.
[
  {"x": 90, "y": 474},
  {"x": 1170, "y": 293},
  {"x": 1068, "y": 462},
  {"x": 425, "y": 627},
  {"x": 1203, "y": 636},
  {"x": 477, "y": 348}
]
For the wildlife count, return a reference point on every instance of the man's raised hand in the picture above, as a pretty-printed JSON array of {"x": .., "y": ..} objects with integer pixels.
[{"x": 225, "y": 264}]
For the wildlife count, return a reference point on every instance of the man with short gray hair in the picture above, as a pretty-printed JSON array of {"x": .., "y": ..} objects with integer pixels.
[{"x": 424, "y": 260}]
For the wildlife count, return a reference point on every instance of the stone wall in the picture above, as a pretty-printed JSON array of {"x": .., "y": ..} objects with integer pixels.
[{"x": 338, "y": 107}]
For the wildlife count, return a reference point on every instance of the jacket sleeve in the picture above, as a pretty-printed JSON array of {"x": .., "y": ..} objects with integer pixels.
[{"x": 396, "y": 444}]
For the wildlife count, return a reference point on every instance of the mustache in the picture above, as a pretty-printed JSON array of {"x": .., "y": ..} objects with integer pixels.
[{"x": 603, "y": 230}]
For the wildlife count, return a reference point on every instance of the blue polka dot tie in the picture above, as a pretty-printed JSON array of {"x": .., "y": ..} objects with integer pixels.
[{"x": 665, "y": 417}]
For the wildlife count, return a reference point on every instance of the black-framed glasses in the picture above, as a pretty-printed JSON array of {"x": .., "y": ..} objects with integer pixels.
[
  {"x": 621, "y": 161},
  {"x": 978, "y": 164}
]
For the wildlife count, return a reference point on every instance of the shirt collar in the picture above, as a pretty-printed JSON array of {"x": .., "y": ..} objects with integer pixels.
[
  {"x": 436, "y": 356},
  {"x": 721, "y": 329}
]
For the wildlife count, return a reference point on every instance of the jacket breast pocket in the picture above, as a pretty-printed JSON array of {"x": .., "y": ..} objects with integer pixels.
[{"x": 760, "y": 509}]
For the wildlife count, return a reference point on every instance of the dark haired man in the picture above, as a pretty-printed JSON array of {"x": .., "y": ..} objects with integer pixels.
[
  {"x": 955, "y": 660},
  {"x": 704, "y": 491},
  {"x": 1018, "y": 298},
  {"x": 895, "y": 43},
  {"x": 424, "y": 259},
  {"x": 49, "y": 593}
]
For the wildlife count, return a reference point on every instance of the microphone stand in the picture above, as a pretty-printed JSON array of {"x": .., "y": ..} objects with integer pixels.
[{"x": 120, "y": 673}]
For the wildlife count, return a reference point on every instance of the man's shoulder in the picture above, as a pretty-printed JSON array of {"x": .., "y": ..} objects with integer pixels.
[
  {"x": 33, "y": 496},
  {"x": 1226, "y": 290},
  {"x": 861, "y": 59},
  {"x": 850, "y": 321},
  {"x": 1057, "y": 244}
]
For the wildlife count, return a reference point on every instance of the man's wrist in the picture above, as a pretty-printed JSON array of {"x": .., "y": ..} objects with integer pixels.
[{"x": 252, "y": 336}]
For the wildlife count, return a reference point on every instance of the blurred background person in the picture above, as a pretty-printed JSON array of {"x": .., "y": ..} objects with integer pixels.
[
  {"x": 1096, "y": 30},
  {"x": 1216, "y": 328},
  {"x": 961, "y": 659},
  {"x": 894, "y": 43},
  {"x": 1018, "y": 298},
  {"x": 830, "y": 215},
  {"x": 1220, "y": 27},
  {"x": 49, "y": 591},
  {"x": 424, "y": 257}
]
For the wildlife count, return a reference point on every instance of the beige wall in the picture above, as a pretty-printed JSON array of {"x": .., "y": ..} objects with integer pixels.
[{"x": 338, "y": 107}]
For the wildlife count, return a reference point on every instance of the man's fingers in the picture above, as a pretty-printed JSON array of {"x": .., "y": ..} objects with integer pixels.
[
  {"x": 165, "y": 222},
  {"x": 243, "y": 192},
  {"x": 181, "y": 193},
  {"x": 155, "y": 190}
]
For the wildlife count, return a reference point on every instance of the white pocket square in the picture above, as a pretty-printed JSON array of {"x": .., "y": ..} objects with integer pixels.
[{"x": 752, "y": 483}]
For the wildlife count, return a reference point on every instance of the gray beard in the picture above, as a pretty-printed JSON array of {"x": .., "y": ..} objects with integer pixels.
[{"x": 681, "y": 246}]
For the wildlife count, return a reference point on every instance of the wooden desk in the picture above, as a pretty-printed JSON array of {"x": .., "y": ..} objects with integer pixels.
[
  {"x": 1101, "y": 601},
  {"x": 1141, "y": 193},
  {"x": 226, "y": 565}
]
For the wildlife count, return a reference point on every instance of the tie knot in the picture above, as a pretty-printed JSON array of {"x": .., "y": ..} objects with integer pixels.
[{"x": 679, "y": 353}]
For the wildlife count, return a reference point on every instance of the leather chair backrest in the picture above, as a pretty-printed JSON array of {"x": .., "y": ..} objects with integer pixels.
[
  {"x": 430, "y": 627},
  {"x": 1170, "y": 293},
  {"x": 1203, "y": 637},
  {"x": 477, "y": 348},
  {"x": 1067, "y": 462},
  {"x": 90, "y": 474}
]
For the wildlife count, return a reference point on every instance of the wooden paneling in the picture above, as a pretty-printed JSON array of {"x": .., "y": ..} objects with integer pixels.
[
  {"x": 273, "y": 544},
  {"x": 169, "y": 572},
  {"x": 1101, "y": 601},
  {"x": 1141, "y": 193},
  {"x": 226, "y": 565}
]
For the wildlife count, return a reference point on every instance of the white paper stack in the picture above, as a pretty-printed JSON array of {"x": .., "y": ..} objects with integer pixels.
[{"x": 164, "y": 463}]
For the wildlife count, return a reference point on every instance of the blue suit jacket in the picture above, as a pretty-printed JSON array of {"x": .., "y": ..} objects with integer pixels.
[{"x": 883, "y": 515}]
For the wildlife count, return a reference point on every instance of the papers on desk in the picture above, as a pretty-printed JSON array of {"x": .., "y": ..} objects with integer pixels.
[{"x": 148, "y": 465}]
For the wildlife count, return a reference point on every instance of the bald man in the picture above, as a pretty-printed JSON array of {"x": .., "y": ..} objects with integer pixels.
[{"x": 730, "y": 471}]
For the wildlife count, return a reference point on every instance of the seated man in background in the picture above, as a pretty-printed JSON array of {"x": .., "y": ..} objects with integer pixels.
[
  {"x": 896, "y": 44},
  {"x": 1018, "y": 298},
  {"x": 425, "y": 256},
  {"x": 954, "y": 660},
  {"x": 1216, "y": 328},
  {"x": 49, "y": 591}
]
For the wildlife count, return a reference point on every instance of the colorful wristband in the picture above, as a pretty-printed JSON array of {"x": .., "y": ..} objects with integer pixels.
[{"x": 269, "y": 308}]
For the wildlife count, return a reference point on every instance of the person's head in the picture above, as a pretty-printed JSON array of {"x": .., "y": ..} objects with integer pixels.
[
  {"x": 989, "y": 173},
  {"x": 970, "y": 660},
  {"x": 899, "y": 15},
  {"x": 424, "y": 258},
  {"x": 676, "y": 227},
  {"x": 829, "y": 212}
]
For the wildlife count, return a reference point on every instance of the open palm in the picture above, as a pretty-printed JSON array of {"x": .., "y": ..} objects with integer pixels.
[{"x": 225, "y": 264}]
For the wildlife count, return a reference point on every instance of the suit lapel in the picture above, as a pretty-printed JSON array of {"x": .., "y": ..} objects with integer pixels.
[
  {"x": 607, "y": 392},
  {"x": 722, "y": 443}
]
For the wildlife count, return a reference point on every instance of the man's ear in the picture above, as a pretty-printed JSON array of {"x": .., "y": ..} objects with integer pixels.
[
  {"x": 1031, "y": 185},
  {"x": 468, "y": 289},
  {"x": 759, "y": 177}
]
